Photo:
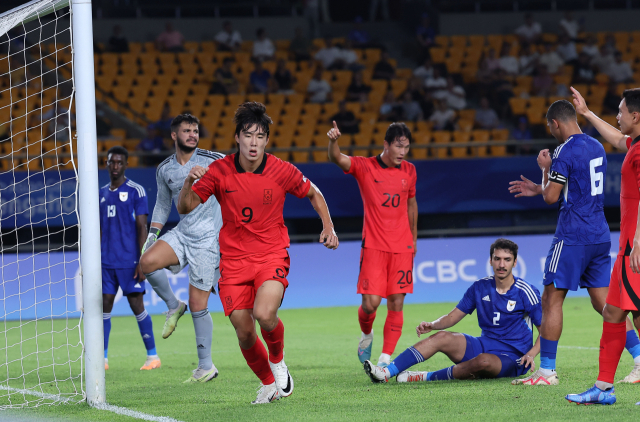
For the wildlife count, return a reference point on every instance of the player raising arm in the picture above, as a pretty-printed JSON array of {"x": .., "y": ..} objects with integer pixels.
[
  {"x": 251, "y": 186},
  {"x": 506, "y": 306},
  {"x": 388, "y": 187}
]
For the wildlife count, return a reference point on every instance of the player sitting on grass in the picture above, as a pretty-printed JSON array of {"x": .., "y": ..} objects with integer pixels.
[{"x": 506, "y": 306}]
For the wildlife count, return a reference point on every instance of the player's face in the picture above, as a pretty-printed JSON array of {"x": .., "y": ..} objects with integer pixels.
[
  {"x": 116, "y": 164},
  {"x": 502, "y": 262},
  {"x": 625, "y": 119},
  {"x": 186, "y": 137},
  {"x": 252, "y": 143},
  {"x": 397, "y": 150},
  {"x": 554, "y": 128}
]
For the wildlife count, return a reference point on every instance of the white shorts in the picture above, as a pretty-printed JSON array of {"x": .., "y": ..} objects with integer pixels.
[{"x": 204, "y": 264}]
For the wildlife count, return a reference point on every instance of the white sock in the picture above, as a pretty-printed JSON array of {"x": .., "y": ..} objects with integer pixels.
[
  {"x": 636, "y": 360},
  {"x": 384, "y": 358},
  {"x": 603, "y": 385},
  {"x": 546, "y": 372},
  {"x": 366, "y": 340}
]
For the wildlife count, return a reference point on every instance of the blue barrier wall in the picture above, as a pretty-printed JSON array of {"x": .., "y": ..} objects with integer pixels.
[{"x": 443, "y": 270}]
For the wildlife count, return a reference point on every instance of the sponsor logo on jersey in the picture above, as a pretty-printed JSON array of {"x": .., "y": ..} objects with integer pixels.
[
  {"x": 511, "y": 305},
  {"x": 124, "y": 196},
  {"x": 486, "y": 298},
  {"x": 267, "y": 197},
  {"x": 137, "y": 286},
  {"x": 146, "y": 336},
  {"x": 102, "y": 200}
]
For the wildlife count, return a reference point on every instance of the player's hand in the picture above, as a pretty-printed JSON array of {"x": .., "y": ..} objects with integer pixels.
[
  {"x": 524, "y": 187},
  {"x": 334, "y": 133},
  {"x": 528, "y": 362},
  {"x": 151, "y": 239},
  {"x": 424, "y": 328},
  {"x": 544, "y": 160},
  {"x": 579, "y": 102},
  {"x": 329, "y": 238},
  {"x": 196, "y": 173},
  {"x": 634, "y": 258},
  {"x": 415, "y": 248},
  {"x": 139, "y": 275}
]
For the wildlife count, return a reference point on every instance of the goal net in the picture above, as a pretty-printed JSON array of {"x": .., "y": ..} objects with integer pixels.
[{"x": 41, "y": 348}]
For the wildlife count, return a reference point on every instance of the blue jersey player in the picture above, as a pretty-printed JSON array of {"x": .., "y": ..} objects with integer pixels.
[
  {"x": 507, "y": 308},
  {"x": 123, "y": 231},
  {"x": 579, "y": 254}
]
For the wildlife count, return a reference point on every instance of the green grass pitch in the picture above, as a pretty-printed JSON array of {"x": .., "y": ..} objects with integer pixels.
[{"x": 330, "y": 384}]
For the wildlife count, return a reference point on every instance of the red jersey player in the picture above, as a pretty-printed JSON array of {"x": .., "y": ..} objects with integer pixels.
[
  {"x": 251, "y": 186},
  {"x": 624, "y": 288},
  {"x": 388, "y": 187}
]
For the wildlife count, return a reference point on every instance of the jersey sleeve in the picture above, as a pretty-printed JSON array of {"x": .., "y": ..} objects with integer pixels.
[
  {"x": 532, "y": 305},
  {"x": 357, "y": 166},
  {"x": 140, "y": 205},
  {"x": 294, "y": 181},
  {"x": 206, "y": 186},
  {"x": 635, "y": 161},
  {"x": 560, "y": 166},
  {"x": 162, "y": 209},
  {"x": 412, "y": 188},
  {"x": 468, "y": 302}
]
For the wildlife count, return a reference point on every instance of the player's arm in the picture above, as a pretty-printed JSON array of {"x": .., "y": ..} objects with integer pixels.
[
  {"x": 528, "y": 359},
  {"x": 141, "y": 231},
  {"x": 551, "y": 189},
  {"x": 634, "y": 256},
  {"x": 161, "y": 211},
  {"x": 328, "y": 236},
  {"x": 335, "y": 156},
  {"x": 412, "y": 207},
  {"x": 442, "y": 323},
  {"x": 188, "y": 199},
  {"x": 608, "y": 132}
]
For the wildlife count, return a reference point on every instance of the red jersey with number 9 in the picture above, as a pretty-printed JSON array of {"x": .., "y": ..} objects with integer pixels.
[
  {"x": 629, "y": 194},
  {"x": 251, "y": 203},
  {"x": 385, "y": 192}
]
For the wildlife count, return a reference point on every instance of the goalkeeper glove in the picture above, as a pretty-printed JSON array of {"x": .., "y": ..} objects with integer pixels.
[{"x": 151, "y": 238}]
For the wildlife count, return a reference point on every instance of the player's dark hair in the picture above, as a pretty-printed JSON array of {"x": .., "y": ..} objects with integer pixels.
[
  {"x": 632, "y": 99},
  {"x": 252, "y": 113},
  {"x": 183, "y": 118},
  {"x": 397, "y": 130},
  {"x": 505, "y": 245},
  {"x": 561, "y": 111},
  {"x": 118, "y": 150}
]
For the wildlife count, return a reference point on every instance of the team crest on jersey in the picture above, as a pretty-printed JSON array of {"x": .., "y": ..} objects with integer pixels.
[
  {"x": 228, "y": 301},
  {"x": 405, "y": 185},
  {"x": 511, "y": 305},
  {"x": 267, "y": 197},
  {"x": 365, "y": 284},
  {"x": 124, "y": 196}
]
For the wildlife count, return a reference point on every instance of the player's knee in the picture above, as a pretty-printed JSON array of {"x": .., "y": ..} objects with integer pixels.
[
  {"x": 246, "y": 336},
  {"x": 370, "y": 305},
  {"x": 267, "y": 320},
  {"x": 482, "y": 362},
  {"x": 147, "y": 264}
]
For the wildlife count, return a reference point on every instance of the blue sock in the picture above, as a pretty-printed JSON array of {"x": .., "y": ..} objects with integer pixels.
[
  {"x": 106, "y": 325},
  {"x": 548, "y": 351},
  {"x": 633, "y": 344},
  {"x": 146, "y": 331},
  {"x": 445, "y": 374},
  {"x": 404, "y": 361}
]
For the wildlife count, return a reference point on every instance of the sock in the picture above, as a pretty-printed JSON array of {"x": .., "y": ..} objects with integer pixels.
[
  {"x": 404, "y": 361},
  {"x": 106, "y": 325},
  {"x": 445, "y": 374},
  {"x": 548, "y": 350},
  {"x": 366, "y": 320},
  {"x": 258, "y": 361},
  {"x": 633, "y": 345},
  {"x": 392, "y": 331},
  {"x": 160, "y": 283},
  {"x": 203, "y": 325},
  {"x": 611, "y": 347},
  {"x": 146, "y": 331},
  {"x": 275, "y": 342}
]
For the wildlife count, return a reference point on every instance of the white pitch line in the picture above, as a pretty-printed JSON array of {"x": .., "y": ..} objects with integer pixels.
[
  {"x": 103, "y": 406},
  {"x": 579, "y": 347}
]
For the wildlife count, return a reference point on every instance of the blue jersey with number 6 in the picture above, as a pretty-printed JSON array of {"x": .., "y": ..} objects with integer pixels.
[
  {"x": 505, "y": 317},
  {"x": 580, "y": 165}
]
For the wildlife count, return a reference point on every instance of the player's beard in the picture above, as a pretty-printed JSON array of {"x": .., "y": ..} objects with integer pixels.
[{"x": 185, "y": 148}]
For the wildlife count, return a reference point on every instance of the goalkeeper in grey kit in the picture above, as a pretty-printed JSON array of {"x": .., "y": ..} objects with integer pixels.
[{"x": 193, "y": 241}]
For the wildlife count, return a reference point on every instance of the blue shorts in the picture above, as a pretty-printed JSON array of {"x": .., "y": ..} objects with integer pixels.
[
  {"x": 572, "y": 266},
  {"x": 509, "y": 356},
  {"x": 112, "y": 278}
]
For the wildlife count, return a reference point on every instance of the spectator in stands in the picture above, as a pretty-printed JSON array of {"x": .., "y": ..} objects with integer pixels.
[
  {"x": 283, "y": 78},
  {"x": 390, "y": 109},
  {"x": 358, "y": 90},
  {"x": 329, "y": 54},
  {"x": 319, "y": 90},
  {"x": 170, "y": 40},
  {"x": 542, "y": 81},
  {"x": 300, "y": 45},
  {"x": 418, "y": 93},
  {"x": 603, "y": 59},
  {"x": 384, "y": 69},
  {"x": 443, "y": 117},
  {"x": 507, "y": 62},
  {"x": 358, "y": 37},
  {"x": 530, "y": 31},
  {"x": 224, "y": 82},
  {"x": 569, "y": 26},
  {"x": 345, "y": 119},
  {"x": 436, "y": 83},
  {"x": 610, "y": 42},
  {"x": 453, "y": 94},
  {"x": 426, "y": 36},
  {"x": 591, "y": 46},
  {"x": 491, "y": 62},
  {"x": 424, "y": 71},
  {"x": 567, "y": 50},
  {"x": 501, "y": 89},
  {"x": 347, "y": 58},
  {"x": 260, "y": 79},
  {"x": 619, "y": 71},
  {"x": 551, "y": 59},
  {"x": 164, "y": 124},
  {"x": 528, "y": 60},
  {"x": 152, "y": 143},
  {"x": 486, "y": 117},
  {"x": 263, "y": 48},
  {"x": 485, "y": 78},
  {"x": 117, "y": 42},
  {"x": 411, "y": 110},
  {"x": 522, "y": 133},
  {"x": 611, "y": 100},
  {"x": 228, "y": 39},
  {"x": 583, "y": 72}
]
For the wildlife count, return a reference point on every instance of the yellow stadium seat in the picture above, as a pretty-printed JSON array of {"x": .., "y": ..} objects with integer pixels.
[
  {"x": 460, "y": 137},
  {"x": 480, "y": 135},
  {"x": 441, "y": 137},
  {"x": 300, "y": 156},
  {"x": 518, "y": 105}
]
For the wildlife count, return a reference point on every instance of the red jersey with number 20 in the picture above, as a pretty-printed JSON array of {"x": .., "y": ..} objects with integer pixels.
[
  {"x": 629, "y": 194},
  {"x": 251, "y": 203},
  {"x": 385, "y": 192}
]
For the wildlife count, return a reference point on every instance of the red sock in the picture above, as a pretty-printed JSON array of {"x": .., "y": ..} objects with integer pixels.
[
  {"x": 256, "y": 358},
  {"x": 275, "y": 342},
  {"x": 366, "y": 320},
  {"x": 612, "y": 343},
  {"x": 392, "y": 331}
]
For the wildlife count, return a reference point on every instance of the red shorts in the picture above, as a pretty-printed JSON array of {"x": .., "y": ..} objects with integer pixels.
[
  {"x": 624, "y": 286},
  {"x": 385, "y": 273},
  {"x": 241, "y": 278}
]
